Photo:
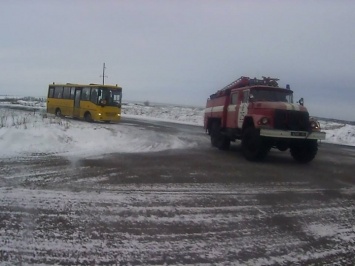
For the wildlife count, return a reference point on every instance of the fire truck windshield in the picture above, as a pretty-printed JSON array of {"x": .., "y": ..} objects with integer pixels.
[{"x": 271, "y": 95}]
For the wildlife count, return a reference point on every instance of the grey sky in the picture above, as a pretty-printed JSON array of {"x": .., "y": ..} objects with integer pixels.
[{"x": 182, "y": 51}]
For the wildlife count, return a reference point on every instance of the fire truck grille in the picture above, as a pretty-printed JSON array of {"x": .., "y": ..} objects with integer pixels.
[{"x": 291, "y": 120}]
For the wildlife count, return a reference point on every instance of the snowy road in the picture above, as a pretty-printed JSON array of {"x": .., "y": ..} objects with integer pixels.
[{"x": 194, "y": 206}]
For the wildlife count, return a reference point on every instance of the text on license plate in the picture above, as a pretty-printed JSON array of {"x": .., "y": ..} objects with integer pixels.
[{"x": 299, "y": 134}]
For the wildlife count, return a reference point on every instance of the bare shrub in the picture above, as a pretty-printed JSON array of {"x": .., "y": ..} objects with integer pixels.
[{"x": 3, "y": 120}]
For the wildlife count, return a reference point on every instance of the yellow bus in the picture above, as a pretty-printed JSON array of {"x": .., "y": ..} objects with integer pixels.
[{"x": 91, "y": 102}]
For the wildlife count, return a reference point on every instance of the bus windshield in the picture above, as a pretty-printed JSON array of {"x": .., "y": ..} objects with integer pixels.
[{"x": 110, "y": 97}]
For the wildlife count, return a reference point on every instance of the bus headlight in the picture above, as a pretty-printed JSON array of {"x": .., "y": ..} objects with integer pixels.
[{"x": 99, "y": 114}]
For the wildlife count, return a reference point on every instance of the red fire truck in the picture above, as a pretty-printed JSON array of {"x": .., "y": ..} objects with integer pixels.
[{"x": 263, "y": 116}]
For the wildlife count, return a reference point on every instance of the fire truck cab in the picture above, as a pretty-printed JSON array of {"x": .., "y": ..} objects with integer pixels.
[{"x": 263, "y": 116}]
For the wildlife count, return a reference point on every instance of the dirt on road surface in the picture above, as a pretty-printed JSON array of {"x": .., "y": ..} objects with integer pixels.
[{"x": 198, "y": 206}]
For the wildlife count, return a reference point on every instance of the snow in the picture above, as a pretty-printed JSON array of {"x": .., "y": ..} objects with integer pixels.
[
  {"x": 64, "y": 235},
  {"x": 338, "y": 133},
  {"x": 176, "y": 114},
  {"x": 28, "y": 133},
  {"x": 71, "y": 223},
  {"x": 33, "y": 132}
]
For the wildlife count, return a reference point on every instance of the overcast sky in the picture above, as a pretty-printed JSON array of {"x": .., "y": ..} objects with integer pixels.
[{"x": 182, "y": 51}]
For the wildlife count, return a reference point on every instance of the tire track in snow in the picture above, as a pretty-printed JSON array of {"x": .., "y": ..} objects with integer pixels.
[{"x": 153, "y": 226}]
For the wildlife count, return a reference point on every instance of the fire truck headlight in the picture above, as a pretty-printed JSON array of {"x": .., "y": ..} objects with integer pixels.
[
  {"x": 264, "y": 121},
  {"x": 314, "y": 125}
]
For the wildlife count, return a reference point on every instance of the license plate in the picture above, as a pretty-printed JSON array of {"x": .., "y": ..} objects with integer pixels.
[{"x": 299, "y": 134}]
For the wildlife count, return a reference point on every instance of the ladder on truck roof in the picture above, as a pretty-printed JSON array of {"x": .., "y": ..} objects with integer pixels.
[{"x": 243, "y": 82}]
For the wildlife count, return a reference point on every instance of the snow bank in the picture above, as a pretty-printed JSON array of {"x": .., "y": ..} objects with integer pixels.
[
  {"x": 27, "y": 133},
  {"x": 338, "y": 133}
]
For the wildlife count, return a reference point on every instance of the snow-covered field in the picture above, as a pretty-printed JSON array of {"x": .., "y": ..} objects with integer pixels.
[
  {"x": 32, "y": 132},
  {"x": 55, "y": 211}
]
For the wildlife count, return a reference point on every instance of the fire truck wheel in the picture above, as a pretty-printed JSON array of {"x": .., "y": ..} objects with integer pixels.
[
  {"x": 253, "y": 146},
  {"x": 304, "y": 151},
  {"x": 219, "y": 140}
]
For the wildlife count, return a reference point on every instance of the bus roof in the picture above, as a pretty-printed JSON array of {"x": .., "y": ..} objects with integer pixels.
[{"x": 86, "y": 85}]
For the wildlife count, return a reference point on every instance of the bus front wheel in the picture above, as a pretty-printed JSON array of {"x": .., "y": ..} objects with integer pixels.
[
  {"x": 88, "y": 117},
  {"x": 58, "y": 112}
]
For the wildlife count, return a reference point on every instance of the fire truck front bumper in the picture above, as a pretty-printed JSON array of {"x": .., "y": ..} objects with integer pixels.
[{"x": 287, "y": 134}]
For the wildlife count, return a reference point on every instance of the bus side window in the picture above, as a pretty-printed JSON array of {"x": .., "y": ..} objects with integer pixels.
[
  {"x": 72, "y": 92},
  {"x": 94, "y": 95},
  {"x": 58, "y": 92},
  {"x": 51, "y": 92},
  {"x": 66, "y": 93},
  {"x": 85, "y": 95}
]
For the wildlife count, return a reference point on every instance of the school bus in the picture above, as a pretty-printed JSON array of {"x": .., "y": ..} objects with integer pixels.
[{"x": 91, "y": 102}]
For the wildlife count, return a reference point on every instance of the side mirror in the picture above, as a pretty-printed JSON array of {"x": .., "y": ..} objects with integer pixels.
[{"x": 301, "y": 101}]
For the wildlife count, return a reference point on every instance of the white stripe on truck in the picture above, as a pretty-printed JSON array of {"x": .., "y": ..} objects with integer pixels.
[{"x": 214, "y": 109}]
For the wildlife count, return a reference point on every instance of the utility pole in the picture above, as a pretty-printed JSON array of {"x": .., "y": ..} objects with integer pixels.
[{"x": 103, "y": 75}]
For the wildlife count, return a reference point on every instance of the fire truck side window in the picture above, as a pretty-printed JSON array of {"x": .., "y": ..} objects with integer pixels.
[
  {"x": 234, "y": 98},
  {"x": 245, "y": 96}
]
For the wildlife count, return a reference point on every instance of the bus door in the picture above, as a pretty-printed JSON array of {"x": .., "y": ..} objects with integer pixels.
[{"x": 77, "y": 96}]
